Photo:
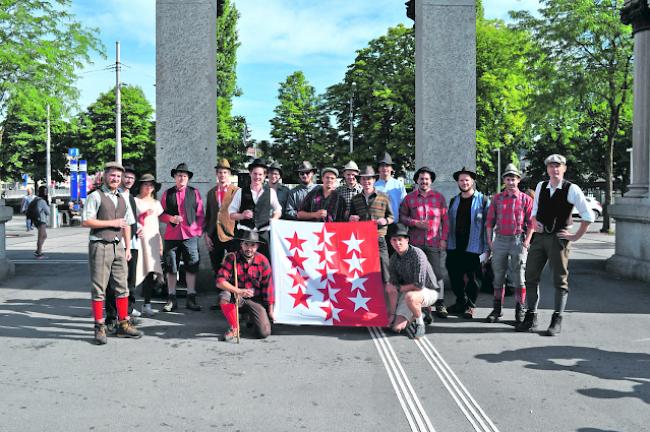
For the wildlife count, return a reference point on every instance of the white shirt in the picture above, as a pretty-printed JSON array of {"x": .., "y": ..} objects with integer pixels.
[
  {"x": 236, "y": 203},
  {"x": 575, "y": 196}
]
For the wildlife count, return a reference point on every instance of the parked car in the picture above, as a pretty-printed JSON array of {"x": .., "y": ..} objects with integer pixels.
[{"x": 594, "y": 205}]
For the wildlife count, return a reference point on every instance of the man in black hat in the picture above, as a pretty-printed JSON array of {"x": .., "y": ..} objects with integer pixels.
[
  {"x": 371, "y": 205},
  {"x": 388, "y": 184},
  {"x": 275, "y": 182},
  {"x": 412, "y": 276},
  {"x": 252, "y": 288},
  {"x": 255, "y": 205},
  {"x": 424, "y": 211},
  {"x": 128, "y": 180},
  {"x": 218, "y": 228},
  {"x": 467, "y": 243},
  {"x": 107, "y": 214},
  {"x": 306, "y": 173},
  {"x": 183, "y": 214}
]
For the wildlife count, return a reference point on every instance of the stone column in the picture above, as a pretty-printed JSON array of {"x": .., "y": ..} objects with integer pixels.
[
  {"x": 7, "y": 269},
  {"x": 632, "y": 212},
  {"x": 186, "y": 90},
  {"x": 186, "y": 96},
  {"x": 445, "y": 88}
]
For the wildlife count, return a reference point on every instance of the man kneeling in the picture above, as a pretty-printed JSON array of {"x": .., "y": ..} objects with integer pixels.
[
  {"x": 246, "y": 276},
  {"x": 412, "y": 276}
]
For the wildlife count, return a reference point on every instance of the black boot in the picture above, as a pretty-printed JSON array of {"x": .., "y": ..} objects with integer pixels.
[
  {"x": 171, "y": 305},
  {"x": 556, "y": 325},
  {"x": 496, "y": 313},
  {"x": 529, "y": 324},
  {"x": 191, "y": 303},
  {"x": 520, "y": 310}
]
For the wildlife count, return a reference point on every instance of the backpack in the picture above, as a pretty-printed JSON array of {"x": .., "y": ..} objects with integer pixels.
[{"x": 32, "y": 212}]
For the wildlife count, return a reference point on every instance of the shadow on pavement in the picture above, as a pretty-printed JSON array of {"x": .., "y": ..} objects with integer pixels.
[{"x": 595, "y": 362}]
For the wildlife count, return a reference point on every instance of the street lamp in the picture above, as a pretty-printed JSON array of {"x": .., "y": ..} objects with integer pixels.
[
  {"x": 354, "y": 86},
  {"x": 498, "y": 150}
]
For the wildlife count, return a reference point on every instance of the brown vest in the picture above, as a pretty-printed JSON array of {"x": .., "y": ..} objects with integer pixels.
[{"x": 107, "y": 211}]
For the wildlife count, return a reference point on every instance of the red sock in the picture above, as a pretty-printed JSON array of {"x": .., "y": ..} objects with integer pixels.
[
  {"x": 520, "y": 295},
  {"x": 122, "y": 304},
  {"x": 229, "y": 311},
  {"x": 98, "y": 310},
  {"x": 499, "y": 293}
]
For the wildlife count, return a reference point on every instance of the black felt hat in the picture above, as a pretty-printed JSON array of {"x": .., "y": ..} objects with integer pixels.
[
  {"x": 424, "y": 169},
  {"x": 398, "y": 230},
  {"x": 182, "y": 167},
  {"x": 464, "y": 170},
  {"x": 249, "y": 236}
]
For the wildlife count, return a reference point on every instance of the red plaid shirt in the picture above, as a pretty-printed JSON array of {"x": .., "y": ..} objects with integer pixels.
[
  {"x": 510, "y": 214},
  {"x": 430, "y": 206},
  {"x": 255, "y": 275}
]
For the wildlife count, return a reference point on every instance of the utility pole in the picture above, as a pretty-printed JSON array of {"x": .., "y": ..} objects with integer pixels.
[
  {"x": 354, "y": 86},
  {"x": 118, "y": 107},
  {"x": 498, "y": 150},
  {"x": 48, "y": 160}
]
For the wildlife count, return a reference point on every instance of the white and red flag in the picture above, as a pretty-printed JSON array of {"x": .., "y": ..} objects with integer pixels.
[{"x": 327, "y": 274}]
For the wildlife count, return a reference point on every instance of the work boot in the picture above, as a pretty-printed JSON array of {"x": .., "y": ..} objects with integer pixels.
[
  {"x": 520, "y": 310},
  {"x": 171, "y": 304},
  {"x": 441, "y": 310},
  {"x": 100, "y": 334},
  {"x": 496, "y": 313},
  {"x": 191, "y": 303},
  {"x": 127, "y": 330},
  {"x": 556, "y": 325},
  {"x": 230, "y": 335},
  {"x": 426, "y": 315},
  {"x": 529, "y": 324},
  {"x": 469, "y": 313},
  {"x": 456, "y": 309}
]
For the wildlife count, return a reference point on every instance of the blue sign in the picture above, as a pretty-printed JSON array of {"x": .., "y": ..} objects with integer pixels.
[
  {"x": 83, "y": 165},
  {"x": 83, "y": 175},
  {"x": 25, "y": 178},
  {"x": 73, "y": 152},
  {"x": 74, "y": 186}
]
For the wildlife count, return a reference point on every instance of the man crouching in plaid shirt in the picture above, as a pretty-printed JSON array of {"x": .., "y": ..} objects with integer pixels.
[{"x": 254, "y": 286}]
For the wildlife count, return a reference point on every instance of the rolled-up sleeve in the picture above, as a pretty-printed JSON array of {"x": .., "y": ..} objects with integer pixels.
[{"x": 576, "y": 197}]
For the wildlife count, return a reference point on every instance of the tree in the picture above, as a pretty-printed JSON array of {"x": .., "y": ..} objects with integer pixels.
[
  {"x": 41, "y": 46},
  {"x": 230, "y": 129},
  {"x": 384, "y": 101},
  {"x": 587, "y": 65},
  {"x": 300, "y": 128},
  {"x": 95, "y": 131}
]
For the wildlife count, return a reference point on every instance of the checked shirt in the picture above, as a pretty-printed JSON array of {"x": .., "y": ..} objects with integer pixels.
[
  {"x": 510, "y": 214},
  {"x": 430, "y": 206},
  {"x": 255, "y": 275}
]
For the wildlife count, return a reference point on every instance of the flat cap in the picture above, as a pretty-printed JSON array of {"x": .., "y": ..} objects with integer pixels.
[{"x": 555, "y": 158}]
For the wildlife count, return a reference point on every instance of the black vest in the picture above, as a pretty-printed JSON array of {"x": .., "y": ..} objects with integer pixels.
[
  {"x": 108, "y": 211},
  {"x": 554, "y": 211},
  {"x": 190, "y": 204},
  {"x": 261, "y": 211}
]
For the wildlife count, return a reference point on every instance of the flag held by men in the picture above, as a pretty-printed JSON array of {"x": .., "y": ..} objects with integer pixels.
[{"x": 327, "y": 274}]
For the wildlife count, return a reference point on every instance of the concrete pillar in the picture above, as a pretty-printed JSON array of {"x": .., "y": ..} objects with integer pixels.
[
  {"x": 7, "y": 268},
  {"x": 186, "y": 90},
  {"x": 632, "y": 212},
  {"x": 445, "y": 88},
  {"x": 186, "y": 96}
]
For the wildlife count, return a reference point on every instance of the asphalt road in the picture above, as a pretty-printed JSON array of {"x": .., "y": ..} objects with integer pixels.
[{"x": 464, "y": 376}]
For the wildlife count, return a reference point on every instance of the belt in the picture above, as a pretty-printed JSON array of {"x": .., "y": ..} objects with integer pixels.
[
  {"x": 114, "y": 242},
  {"x": 510, "y": 235}
]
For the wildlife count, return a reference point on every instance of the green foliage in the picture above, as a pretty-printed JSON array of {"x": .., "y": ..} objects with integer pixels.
[
  {"x": 41, "y": 46},
  {"x": 384, "y": 101},
  {"x": 230, "y": 130},
  {"x": 583, "y": 95},
  {"x": 94, "y": 131},
  {"x": 300, "y": 128}
]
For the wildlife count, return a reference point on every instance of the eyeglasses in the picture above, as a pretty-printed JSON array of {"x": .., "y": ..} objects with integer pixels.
[
  {"x": 304, "y": 173},
  {"x": 129, "y": 178}
]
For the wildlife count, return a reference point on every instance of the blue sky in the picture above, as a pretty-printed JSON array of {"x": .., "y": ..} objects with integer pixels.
[{"x": 277, "y": 37}]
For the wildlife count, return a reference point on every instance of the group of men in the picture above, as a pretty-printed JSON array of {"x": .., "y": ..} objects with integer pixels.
[{"x": 415, "y": 231}]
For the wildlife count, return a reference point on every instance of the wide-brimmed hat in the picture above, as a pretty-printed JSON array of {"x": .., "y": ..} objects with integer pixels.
[
  {"x": 249, "y": 236},
  {"x": 182, "y": 167},
  {"x": 275, "y": 165},
  {"x": 385, "y": 160},
  {"x": 257, "y": 162},
  {"x": 511, "y": 169},
  {"x": 148, "y": 178},
  {"x": 223, "y": 163},
  {"x": 351, "y": 166},
  {"x": 113, "y": 165},
  {"x": 306, "y": 166},
  {"x": 368, "y": 171},
  {"x": 398, "y": 230},
  {"x": 329, "y": 169},
  {"x": 464, "y": 170},
  {"x": 424, "y": 169},
  {"x": 555, "y": 158}
]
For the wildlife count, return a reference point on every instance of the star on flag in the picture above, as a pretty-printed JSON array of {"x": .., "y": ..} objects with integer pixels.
[
  {"x": 295, "y": 242},
  {"x": 355, "y": 263},
  {"x": 300, "y": 298},
  {"x": 353, "y": 244}
]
